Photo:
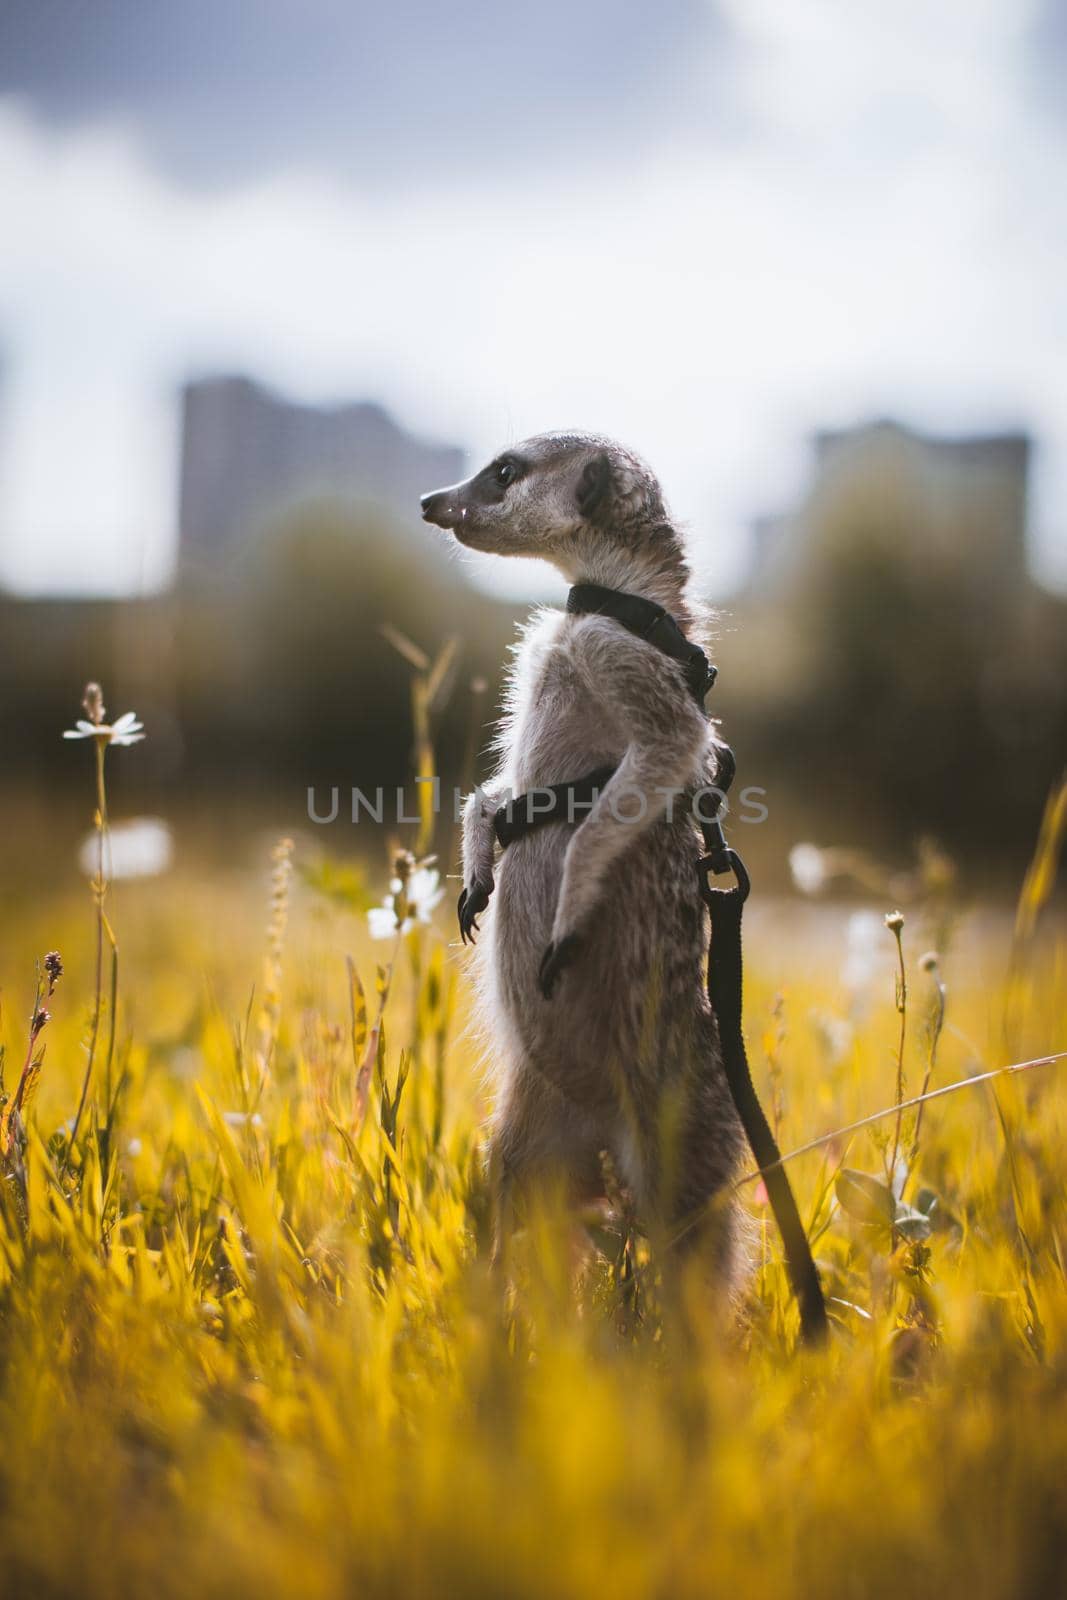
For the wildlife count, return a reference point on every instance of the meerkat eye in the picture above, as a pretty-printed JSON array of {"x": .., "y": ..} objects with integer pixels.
[{"x": 506, "y": 472}]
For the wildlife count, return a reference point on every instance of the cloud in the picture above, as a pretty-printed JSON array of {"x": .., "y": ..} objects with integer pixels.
[
  {"x": 882, "y": 232},
  {"x": 1048, "y": 53},
  {"x": 222, "y": 90}
]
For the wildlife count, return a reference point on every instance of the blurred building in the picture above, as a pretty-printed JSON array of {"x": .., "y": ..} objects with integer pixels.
[
  {"x": 248, "y": 455},
  {"x": 893, "y": 641},
  {"x": 954, "y": 502}
]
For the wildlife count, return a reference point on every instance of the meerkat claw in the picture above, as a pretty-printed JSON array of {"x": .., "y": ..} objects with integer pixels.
[
  {"x": 472, "y": 902},
  {"x": 555, "y": 959}
]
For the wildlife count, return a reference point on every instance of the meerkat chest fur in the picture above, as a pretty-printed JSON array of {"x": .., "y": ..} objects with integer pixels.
[
  {"x": 585, "y": 695},
  {"x": 556, "y": 724}
]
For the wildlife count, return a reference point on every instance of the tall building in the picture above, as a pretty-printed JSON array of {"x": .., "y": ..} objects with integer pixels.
[
  {"x": 248, "y": 454},
  {"x": 953, "y": 501}
]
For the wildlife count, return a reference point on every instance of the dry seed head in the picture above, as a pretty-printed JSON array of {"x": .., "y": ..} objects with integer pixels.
[
  {"x": 403, "y": 865},
  {"x": 281, "y": 873},
  {"x": 93, "y": 702},
  {"x": 894, "y": 921}
]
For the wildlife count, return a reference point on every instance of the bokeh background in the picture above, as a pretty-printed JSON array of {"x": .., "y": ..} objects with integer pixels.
[{"x": 269, "y": 272}]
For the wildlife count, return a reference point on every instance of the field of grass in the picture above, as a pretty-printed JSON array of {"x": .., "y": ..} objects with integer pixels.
[{"x": 250, "y": 1340}]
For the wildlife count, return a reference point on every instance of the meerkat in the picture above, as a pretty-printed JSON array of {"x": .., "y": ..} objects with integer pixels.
[{"x": 592, "y": 961}]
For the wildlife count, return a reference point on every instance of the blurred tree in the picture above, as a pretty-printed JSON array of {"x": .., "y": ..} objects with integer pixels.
[{"x": 896, "y": 649}]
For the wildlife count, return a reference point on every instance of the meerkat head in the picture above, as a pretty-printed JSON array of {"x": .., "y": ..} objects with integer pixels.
[{"x": 547, "y": 495}]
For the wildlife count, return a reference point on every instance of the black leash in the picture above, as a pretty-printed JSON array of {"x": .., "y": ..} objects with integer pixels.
[
  {"x": 562, "y": 801},
  {"x": 725, "y": 992}
]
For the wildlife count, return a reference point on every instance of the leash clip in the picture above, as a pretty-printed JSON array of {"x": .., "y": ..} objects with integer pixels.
[{"x": 721, "y": 859}]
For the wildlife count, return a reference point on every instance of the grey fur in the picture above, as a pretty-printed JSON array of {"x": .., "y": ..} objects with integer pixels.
[{"x": 625, "y": 1055}]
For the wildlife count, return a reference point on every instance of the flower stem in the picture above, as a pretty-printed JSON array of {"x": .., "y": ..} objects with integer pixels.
[
  {"x": 902, "y": 1008},
  {"x": 937, "y": 1022},
  {"x": 103, "y": 927}
]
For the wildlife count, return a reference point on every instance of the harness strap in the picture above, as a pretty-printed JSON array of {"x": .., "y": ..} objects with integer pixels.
[
  {"x": 650, "y": 622},
  {"x": 557, "y": 802}
]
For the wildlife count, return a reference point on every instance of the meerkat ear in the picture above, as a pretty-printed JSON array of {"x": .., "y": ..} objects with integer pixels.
[{"x": 593, "y": 484}]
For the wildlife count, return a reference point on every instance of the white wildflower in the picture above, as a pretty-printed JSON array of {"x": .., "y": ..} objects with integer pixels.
[
  {"x": 835, "y": 1033},
  {"x": 425, "y": 891},
  {"x": 381, "y": 920},
  {"x": 125, "y": 730},
  {"x": 140, "y": 848},
  {"x": 808, "y": 865},
  {"x": 410, "y": 901},
  {"x": 863, "y": 951}
]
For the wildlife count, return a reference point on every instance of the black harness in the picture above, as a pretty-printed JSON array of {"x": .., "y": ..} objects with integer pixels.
[
  {"x": 571, "y": 801},
  {"x": 649, "y": 622}
]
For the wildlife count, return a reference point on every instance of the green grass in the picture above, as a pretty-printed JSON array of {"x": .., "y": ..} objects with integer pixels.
[{"x": 250, "y": 1340}]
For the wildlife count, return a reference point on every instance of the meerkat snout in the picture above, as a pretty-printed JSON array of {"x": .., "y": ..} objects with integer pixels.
[{"x": 437, "y": 508}]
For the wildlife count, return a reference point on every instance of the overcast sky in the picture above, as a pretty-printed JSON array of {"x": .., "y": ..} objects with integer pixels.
[{"x": 707, "y": 229}]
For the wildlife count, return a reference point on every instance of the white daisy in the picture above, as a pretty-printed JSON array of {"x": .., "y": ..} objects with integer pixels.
[
  {"x": 381, "y": 920},
  {"x": 124, "y": 730},
  {"x": 408, "y": 903},
  {"x": 425, "y": 891},
  {"x": 139, "y": 848},
  {"x": 808, "y": 865}
]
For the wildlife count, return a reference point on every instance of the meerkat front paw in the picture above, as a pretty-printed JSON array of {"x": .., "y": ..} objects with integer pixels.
[
  {"x": 472, "y": 902},
  {"x": 556, "y": 959}
]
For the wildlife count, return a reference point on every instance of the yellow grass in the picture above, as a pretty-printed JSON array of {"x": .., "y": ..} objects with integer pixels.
[{"x": 250, "y": 1341}]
